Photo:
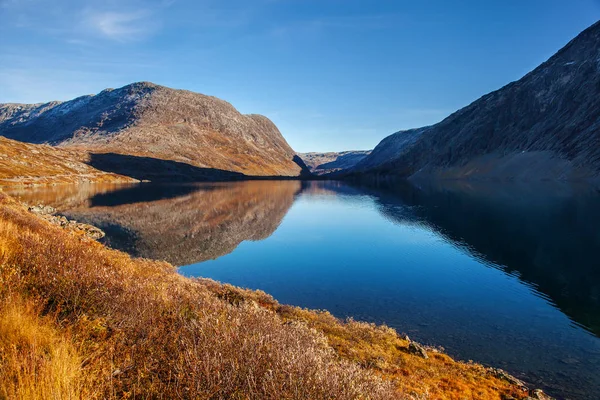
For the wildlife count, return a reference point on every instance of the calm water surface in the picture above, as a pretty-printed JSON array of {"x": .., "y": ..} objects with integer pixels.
[{"x": 506, "y": 275}]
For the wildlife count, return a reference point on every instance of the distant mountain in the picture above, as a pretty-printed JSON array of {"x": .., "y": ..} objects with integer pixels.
[
  {"x": 24, "y": 164},
  {"x": 323, "y": 163},
  {"x": 137, "y": 126},
  {"x": 389, "y": 148},
  {"x": 544, "y": 126}
]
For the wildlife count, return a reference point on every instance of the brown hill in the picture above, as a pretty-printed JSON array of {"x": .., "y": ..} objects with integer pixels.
[{"x": 142, "y": 124}]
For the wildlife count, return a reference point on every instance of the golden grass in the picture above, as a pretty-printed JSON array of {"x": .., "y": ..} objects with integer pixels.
[
  {"x": 36, "y": 362},
  {"x": 95, "y": 323},
  {"x": 25, "y": 164}
]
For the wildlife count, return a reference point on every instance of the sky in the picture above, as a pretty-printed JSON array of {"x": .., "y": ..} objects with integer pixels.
[{"x": 332, "y": 74}]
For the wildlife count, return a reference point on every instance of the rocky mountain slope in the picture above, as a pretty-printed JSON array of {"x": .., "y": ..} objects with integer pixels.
[
  {"x": 323, "y": 163},
  {"x": 24, "y": 164},
  {"x": 198, "y": 135},
  {"x": 544, "y": 126},
  {"x": 390, "y": 148}
]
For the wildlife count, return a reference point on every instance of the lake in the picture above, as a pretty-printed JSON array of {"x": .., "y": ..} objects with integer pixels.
[{"x": 503, "y": 274}]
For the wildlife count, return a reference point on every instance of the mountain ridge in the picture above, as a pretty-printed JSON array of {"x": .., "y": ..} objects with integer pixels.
[
  {"x": 147, "y": 120},
  {"x": 545, "y": 125}
]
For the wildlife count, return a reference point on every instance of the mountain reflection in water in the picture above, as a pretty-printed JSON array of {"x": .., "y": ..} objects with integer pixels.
[
  {"x": 181, "y": 224},
  {"x": 546, "y": 234}
]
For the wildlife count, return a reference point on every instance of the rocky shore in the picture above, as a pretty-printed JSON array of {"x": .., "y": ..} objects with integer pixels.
[{"x": 49, "y": 214}]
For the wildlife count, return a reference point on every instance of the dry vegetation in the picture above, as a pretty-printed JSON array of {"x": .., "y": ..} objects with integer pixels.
[
  {"x": 78, "y": 320},
  {"x": 23, "y": 164}
]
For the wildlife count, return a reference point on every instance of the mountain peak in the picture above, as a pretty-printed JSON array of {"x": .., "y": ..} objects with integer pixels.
[{"x": 144, "y": 119}]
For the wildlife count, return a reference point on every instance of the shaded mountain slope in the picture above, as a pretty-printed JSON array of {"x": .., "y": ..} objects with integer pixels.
[
  {"x": 390, "y": 148},
  {"x": 543, "y": 126},
  {"x": 156, "y": 122}
]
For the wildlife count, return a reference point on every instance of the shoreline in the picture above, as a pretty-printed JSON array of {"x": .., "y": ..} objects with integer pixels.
[{"x": 374, "y": 350}]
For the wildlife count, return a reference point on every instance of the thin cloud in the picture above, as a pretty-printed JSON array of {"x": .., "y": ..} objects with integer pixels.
[{"x": 121, "y": 26}]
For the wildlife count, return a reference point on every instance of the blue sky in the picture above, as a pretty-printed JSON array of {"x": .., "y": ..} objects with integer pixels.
[{"x": 332, "y": 74}]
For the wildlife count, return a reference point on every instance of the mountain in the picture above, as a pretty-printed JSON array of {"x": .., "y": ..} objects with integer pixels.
[
  {"x": 389, "y": 148},
  {"x": 543, "y": 126},
  {"x": 135, "y": 129},
  {"x": 323, "y": 163},
  {"x": 24, "y": 164}
]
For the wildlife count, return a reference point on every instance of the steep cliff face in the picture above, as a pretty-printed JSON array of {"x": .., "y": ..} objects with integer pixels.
[
  {"x": 323, "y": 163},
  {"x": 144, "y": 120},
  {"x": 544, "y": 126}
]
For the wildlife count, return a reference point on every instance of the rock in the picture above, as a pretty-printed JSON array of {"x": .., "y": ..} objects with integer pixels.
[
  {"x": 417, "y": 349},
  {"x": 35, "y": 209},
  {"x": 505, "y": 376},
  {"x": 538, "y": 394},
  {"x": 534, "y": 394},
  {"x": 46, "y": 212},
  {"x": 41, "y": 209},
  {"x": 91, "y": 231}
]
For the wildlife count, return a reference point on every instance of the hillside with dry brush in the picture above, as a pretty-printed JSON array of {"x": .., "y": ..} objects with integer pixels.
[
  {"x": 24, "y": 164},
  {"x": 80, "y": 321}
]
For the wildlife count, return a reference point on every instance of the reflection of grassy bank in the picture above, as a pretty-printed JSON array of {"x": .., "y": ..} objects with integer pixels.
[{"x": 78, "y": 320}]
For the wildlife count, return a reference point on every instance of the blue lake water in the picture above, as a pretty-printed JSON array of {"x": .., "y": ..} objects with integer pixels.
[{"x": 506, "y": 275}]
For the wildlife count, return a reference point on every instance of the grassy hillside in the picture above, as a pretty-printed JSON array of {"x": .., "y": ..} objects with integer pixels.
[
  {"x": 23, "y": 164},
  {"x": 80, "y": 321}
]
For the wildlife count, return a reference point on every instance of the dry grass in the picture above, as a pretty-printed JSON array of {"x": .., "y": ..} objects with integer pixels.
[
  {"x": 83, "y": 321},
  {"x": 24, "y": 164},
  {"x": 381, "y": 349},
  {"x": 36, "y": 362}
]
